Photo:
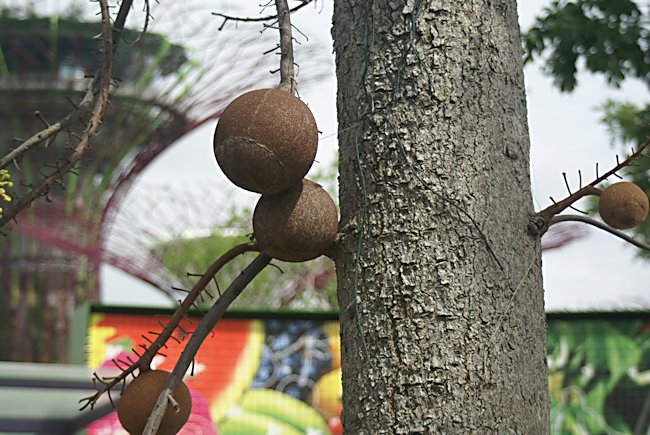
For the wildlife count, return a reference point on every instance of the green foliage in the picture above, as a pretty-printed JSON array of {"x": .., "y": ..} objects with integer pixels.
[
  {"x": 628, "y": 124},
  {"x": 597, "y": 375},
  {"x": 304, "y": 286},
  {"x": 610, "y": 37}
]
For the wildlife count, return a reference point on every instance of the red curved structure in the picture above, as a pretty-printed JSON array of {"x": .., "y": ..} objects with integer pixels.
[{"x": 49, "y": 262}]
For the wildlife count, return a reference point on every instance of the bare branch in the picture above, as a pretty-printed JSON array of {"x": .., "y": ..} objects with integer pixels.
[
  {"x": 103, "y": 82},
  {"x": 202, "y": 331},
  {"x": 147, "y": 18},
  {"x": 227, "y": 18},
  {"x": 98, "y": 93},
  {"x": 286, "y": 46},
  {"x": 84, "y": 107},
  {"x": 544, "y": 217},
  {"x": 154, "y": 348},
  {"x": 81, "y": 111},
  {"x": 120, "y": 21},
  {"x": 600, "y": 225}
]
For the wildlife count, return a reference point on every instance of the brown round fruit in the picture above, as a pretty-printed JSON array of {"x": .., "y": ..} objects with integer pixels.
[
  {"x": 299, "y": 224},
  {"x": 623, "y": 205},
  {"x": 141, "y": 395},
  {"x": 266, "y": 141}
]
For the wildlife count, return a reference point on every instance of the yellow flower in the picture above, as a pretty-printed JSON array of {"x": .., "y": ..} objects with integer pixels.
[{"x": 4, "y": 181}]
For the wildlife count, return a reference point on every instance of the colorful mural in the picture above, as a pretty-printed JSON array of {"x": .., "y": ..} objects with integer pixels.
[
  {"x": 276, "y": 376},
  {"x": 250, "y": 377}
]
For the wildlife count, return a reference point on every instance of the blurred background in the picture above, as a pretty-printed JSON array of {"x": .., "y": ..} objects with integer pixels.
[
  {"x": 594, "y": 271},
  {"x": 150, "y": 208}
]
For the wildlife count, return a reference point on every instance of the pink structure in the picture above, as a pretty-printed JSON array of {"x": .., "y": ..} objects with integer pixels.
[{"x": 50, "y": 260}]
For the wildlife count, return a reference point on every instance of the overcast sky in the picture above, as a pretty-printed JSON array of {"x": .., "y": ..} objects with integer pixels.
[{"x": 596, "y": 272}]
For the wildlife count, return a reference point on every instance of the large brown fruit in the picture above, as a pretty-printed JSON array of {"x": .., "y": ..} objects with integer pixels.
[
  {"x": 141, "y": 395},
  {"x": 299, "y": 224},
  {"x": 266, "y": 141},
  {"x": 623, "y": 205}
]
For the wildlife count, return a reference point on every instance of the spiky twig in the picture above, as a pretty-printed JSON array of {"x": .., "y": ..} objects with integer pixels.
[
  {"x": 97, "y": 94},
  {"x": 150, "y": 351},
  {"x": 283, "y": 20},
  {"x": 227, "y": 18},
  {"x": 203, "y": 329},
  {"x": 81, "y": 111},
  {"x": 286, "y": 46},
  {"x": 542, "y": 220}
]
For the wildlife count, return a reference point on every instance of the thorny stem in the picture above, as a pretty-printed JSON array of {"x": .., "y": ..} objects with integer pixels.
[
  {"x": 99, "y": 92},
  {"x": 286, "y": 46},
  {"x": 227, "y": 18},
  {"x": 82, "y": 110},
  {"x": 200, "y": 333},
  {"x": 144, "y": 360},
  {"x": 84, "y": 106},
  {"x": 602, "y": 226},
  {"x": 283, "y": 19},
  {"x": 545, "y": 216}
]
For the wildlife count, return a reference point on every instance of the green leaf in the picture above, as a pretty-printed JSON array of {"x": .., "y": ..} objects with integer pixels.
[
  {"x": 604, "y": 37},
  {"x": 594, "y": 402},
  {"x": 618, "y": 424},
  {"x": 594, "y": 342},
  {"x": 622, "y": 353}
]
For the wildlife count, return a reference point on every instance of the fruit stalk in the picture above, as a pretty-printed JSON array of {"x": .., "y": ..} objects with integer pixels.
[
  {"x": 602, "y": 226},
  {"x": 191, "y": 297},
  {"x": 545, "y": 216},
  {"x": 200, "y": 333},
  {"x": 286, "y": 46},
  {"x": 144, "y": 361}
]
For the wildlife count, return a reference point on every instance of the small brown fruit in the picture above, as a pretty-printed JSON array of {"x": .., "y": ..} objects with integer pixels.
[
  {"x": 623, "y": 205},
  {"x": 266, "y": 141},
  {"x": 141, "y": 395},
  {"x": 299, "y": 224}
]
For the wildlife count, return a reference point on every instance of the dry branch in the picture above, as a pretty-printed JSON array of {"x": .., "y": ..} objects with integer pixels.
[
  {"x": 283, "y": 20},
  {"x": 94, "y": 101},
  {"x": 600, "y": 225},
  {"x": 286, "y": 46},
  {"x": 544, "y": 218},
  {"x": 154, "y": 347},
  {"x": 227, "y": 18},
  {"x": 202, "y": 331},
  {"x": 81, "y": 111}
]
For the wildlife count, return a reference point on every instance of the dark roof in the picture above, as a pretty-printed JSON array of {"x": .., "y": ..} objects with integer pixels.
[{"x": 45, "y": 45}]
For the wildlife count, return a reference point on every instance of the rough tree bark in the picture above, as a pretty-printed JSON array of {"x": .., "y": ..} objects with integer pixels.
[{"x": 440, "y": 290}]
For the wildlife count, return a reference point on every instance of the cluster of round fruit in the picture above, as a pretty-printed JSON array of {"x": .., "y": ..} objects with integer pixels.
[
  {"x": 266, "y": 142},
  {"x": 623, "y": 205}
]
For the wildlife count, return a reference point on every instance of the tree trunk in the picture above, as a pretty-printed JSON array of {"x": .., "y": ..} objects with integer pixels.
[{"x": 440, "y": 290}]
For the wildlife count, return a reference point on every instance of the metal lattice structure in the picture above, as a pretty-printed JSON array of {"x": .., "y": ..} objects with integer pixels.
[
  {"x": 166, "y": 233},
  {"x": 171, "y": 244},
  {"x": 167, "y": 86}
]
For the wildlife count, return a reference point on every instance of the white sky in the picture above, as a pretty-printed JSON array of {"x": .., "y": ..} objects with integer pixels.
[{"x": 596, "y": 272}]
